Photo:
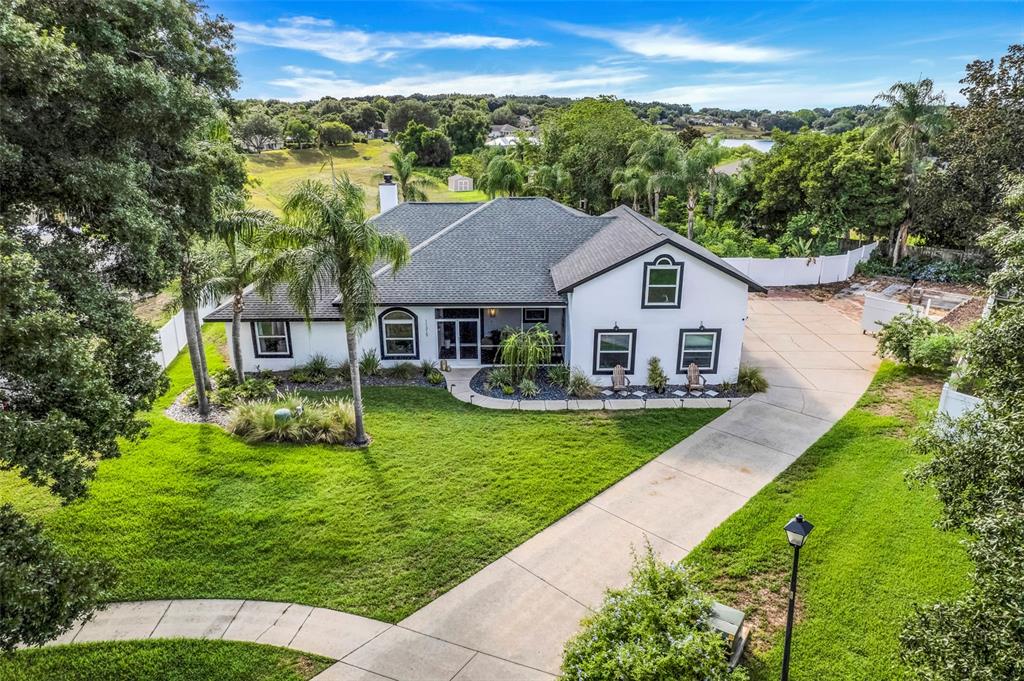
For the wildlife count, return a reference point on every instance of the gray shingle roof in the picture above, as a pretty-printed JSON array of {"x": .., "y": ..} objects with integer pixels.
[
  {"x": 627, "y": 235},
  {"x": 501, "y": 253},
  {"x": 506, "y": 251}
]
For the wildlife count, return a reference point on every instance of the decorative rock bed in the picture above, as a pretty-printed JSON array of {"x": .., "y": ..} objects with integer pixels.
[
  {"x": 335, "y": 383},
  {"x": 550, "y": 391}
]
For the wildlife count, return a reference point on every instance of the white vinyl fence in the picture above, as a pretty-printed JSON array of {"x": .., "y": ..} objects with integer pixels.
[
  {"x": 824, "y": 269},
  {"x": 879, "y": 310},
  {"x": 955, "y": 404},
  {"x": 171, "y": 336}
]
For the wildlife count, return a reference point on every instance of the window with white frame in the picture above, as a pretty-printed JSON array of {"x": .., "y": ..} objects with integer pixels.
[
  {"x": 662, "y": 282},
  {"x": 398, "y": 334},
  {"x": 535, "y": 315},
  {"x": 700, "y": 347},
  {"x": 614, "y": 347},
  {"x": 272, "y": 339}
]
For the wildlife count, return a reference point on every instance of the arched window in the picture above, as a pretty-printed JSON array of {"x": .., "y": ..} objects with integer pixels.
[
  {"x": 398, "y": 334},
  {"x": 663, "y": 279}
]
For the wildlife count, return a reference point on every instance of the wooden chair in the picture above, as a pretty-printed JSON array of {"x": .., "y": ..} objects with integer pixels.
[
  {"x": 619, "y": 380},
  {"x": 694, "y": 380}
]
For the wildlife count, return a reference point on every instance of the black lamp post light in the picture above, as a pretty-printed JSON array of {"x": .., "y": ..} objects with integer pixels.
[{"x": 797, "y": 531}]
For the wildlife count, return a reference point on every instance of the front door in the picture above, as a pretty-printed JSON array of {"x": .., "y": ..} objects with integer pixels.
[{"x": 458, "y": 339}]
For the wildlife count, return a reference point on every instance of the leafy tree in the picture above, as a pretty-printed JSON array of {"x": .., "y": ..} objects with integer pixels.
[
  {"x": 382, "y": 106},
  {"x": 964, "y": 191},
  {"x": 361, "y": 116},
  {"x": 298, "y": 131},
  {"x": 431, "y": 147},
  {"x": 671, "y": 212},
  {"x": 411, "y": 184},
  {"x": 332, "y": 133},
  {"x": 408, "y": 110},
  {"x": 504, "y": 115},
  {"x": 630, "y": 183},
  {"x": 327, "y": 106},
  {"x": 591, "y": 138},
  {"x": 660, "y": 158},
  {"x": 916, "y": 115},
  {"x": 503, "y": 175},
  {"x": 325, "y": 240},
  {"x": 467, "y": 130},
  {"x": 257, "y": 130}
]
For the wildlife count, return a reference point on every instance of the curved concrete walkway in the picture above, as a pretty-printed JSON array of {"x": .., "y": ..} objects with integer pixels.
[{"x": 511, "y": 619}]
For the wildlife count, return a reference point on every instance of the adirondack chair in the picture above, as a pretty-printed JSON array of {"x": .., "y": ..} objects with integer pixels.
[
  {"x": 694, "y": 380},
  {"x": 619, "y": 380}
]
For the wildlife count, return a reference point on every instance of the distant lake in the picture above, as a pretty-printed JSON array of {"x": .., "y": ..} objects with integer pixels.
[{"x": 760, "y": 145}]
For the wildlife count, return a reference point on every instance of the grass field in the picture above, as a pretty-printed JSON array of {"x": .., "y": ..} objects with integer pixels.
[
  {"x": 873, "y": 554},
  {"x": 276, "y": 172},
  {"x": 445, "y": 488},
  {"x": 161, "y": 660}
]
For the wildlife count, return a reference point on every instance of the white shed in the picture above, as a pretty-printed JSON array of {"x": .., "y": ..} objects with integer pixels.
[{"x": 460, "y": 183}]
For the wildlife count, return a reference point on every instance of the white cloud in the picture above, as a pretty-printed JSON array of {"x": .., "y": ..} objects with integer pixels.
[
  {"x": 658, "y": 42},
  {"x": 773, "y": 93},
  {"x": 305, "y": 84},
  {"x": 352, "y": 46}
]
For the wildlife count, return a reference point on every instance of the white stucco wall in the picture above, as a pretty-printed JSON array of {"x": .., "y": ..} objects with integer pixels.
[{"x": 709, "y": 297}]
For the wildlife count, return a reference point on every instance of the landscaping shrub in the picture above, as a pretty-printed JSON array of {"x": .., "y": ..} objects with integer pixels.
[
  {"x": 559, "y": 375},
  {"x": 329, "y": 422},
  {"x": 580, "y": 385},
  {"x": 428, "y": 367},
  {"x": 316, "y": 370},
  {"x": 508, "y": 390},
  {"x": 896, "y": 337},
  {"x": 656, "y": 377},
  {"x": 656, "y": 629},
  {"x": 223, "y": 377},
  {"x": 369, "y": 363},
  {"x": 924, "y": 269},
  {"x": 751, "y": 380},
  {"x": 345, "y": 370},
  {"x": 936, "y": 352},
  {"x": 500, "y": 377},
  {"x": 249, "y": 390},
  {"x": 435, "y": 378},
  {"x": 528, "y": 388},
  {"x": 525, "y": 350},
  {"x": 404, "y": 371}
]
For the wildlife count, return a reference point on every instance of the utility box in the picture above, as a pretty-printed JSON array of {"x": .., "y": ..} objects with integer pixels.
[{"x": 729, "y": 623}]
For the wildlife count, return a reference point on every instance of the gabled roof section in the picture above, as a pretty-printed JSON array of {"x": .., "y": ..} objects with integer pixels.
[
  {"x": 418, "y": 221},
  {"x": 627, "y": 235},
  {"x": 499, "y": 253}
]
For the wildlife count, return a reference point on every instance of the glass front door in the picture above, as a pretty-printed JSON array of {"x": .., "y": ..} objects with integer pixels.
[{"x": 458, "y": 339}]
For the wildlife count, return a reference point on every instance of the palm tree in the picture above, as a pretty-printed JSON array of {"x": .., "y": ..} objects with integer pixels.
[
  {"x": 239, "y": 267},
  {"x": 660, "y": 157},
  {"x": 916, "y": 115},
  {"x": 325, "y": 242},
  {"x": 629, "y": 183},
  {"x": 697, "y": 173},
  {"x": 552, "y": 181},
  {"x": 502, "y": 175},
  {"x": 411, "y": 184}
]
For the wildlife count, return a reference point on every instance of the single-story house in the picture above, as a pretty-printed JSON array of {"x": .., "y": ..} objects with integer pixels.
[
  {"x": 460, "y": 183},
  {"x": 614, "y": 289}
]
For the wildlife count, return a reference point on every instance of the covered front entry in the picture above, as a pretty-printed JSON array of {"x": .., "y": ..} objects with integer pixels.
[{"x": 458, "y": 334}]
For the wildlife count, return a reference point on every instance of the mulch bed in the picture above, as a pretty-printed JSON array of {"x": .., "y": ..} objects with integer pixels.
[{"x": 549, "y": 391}]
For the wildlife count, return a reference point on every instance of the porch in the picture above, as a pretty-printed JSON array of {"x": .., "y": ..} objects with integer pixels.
[{"x": 470, "y": 336}]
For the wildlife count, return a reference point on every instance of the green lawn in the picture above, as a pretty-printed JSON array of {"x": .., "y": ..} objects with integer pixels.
[
  {"x": 873, "y": 554},
  {"x": 161, "y": 660},
  {"x": 278, "y": 171},
  {"x": 445, "y": 488}
]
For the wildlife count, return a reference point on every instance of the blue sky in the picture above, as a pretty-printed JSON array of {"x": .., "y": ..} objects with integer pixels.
[{"x": 727, "y": 54}]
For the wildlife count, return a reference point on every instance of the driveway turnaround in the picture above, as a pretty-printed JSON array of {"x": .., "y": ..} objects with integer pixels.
[{"x": 510, "y": 620}]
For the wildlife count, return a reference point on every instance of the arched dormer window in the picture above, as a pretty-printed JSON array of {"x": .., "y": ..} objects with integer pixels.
[
  {"x": 398, "y": 334},
  {"x": 663, "y": 283}
]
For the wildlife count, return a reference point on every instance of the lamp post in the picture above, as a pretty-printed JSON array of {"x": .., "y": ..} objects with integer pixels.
[{"x": 797, "y": 530}]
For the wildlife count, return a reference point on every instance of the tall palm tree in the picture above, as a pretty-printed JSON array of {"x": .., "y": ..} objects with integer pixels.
[
  {"x": 916, "y": 115},
  {"x": 697, "y": 173},
  {"x": 660, "y": 156},
  {"x": 237, "y": 231},
  {"x": 629, "y": 183},
  {"x": 325, "y": 242},
  {"x": 411, "y": 184},
  {"x": 503, "y": 175}
]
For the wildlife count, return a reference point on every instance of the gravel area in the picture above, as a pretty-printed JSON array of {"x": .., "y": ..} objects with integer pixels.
[
  {"x": 183, "y": 413},
  {"x": 284, "y": 385},
  {"x": 548, "y": 391}
]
